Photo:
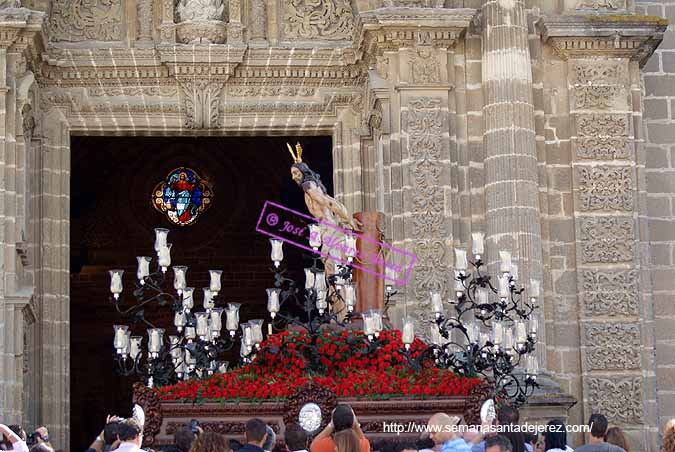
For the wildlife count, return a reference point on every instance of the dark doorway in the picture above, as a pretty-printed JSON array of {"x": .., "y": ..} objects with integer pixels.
[{"x": 112, "y": 222}]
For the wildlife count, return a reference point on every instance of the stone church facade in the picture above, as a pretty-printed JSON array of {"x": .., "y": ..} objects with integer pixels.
[{"x": 546, "y": 124}]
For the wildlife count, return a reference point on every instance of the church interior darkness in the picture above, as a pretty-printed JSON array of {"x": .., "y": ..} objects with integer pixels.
[{"x": 113, "y": 221}]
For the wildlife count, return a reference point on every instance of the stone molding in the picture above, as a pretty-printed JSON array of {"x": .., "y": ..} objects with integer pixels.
[{"x": 610, "y": 36}]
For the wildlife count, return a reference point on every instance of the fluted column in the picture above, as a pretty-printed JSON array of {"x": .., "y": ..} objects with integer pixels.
[{"x": 511, "y": 187}]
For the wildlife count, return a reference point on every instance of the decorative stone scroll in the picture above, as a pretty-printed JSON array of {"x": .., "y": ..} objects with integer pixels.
[
  {"x": 618, "y": 398},
  {"x": 424, "y": 66},
  {"x": 602, "y": 136},
  {"x": 613, "y": 346},
  {"x": 596, "y": 5},
  {"x": 85, "y": 20},
  {"x": 605, "y": 187},
  {"x": 144, "y": 8},
  {"x": 607, "y": 240},
  {"x": 610, "y": 293},
  {"x": 311, "y": 19},
  {"x": 599, "y": 72}
]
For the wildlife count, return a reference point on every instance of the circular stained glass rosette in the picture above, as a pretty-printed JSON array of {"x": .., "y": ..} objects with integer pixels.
[{"x": 310, "y": 417}]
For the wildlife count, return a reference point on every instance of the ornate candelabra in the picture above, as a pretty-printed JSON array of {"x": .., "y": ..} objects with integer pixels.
[{"x": 488, "y": 331}]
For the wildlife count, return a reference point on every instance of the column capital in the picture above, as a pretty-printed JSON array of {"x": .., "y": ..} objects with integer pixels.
[{"x": 615, "y": 36}]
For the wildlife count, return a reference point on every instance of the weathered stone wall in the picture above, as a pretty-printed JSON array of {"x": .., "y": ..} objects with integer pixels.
[{"x": 659, "y": 149}]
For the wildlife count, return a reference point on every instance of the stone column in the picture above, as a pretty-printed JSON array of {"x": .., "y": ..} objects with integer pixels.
[
  {"x": 145, "y": 20},
  {"x": 511, "y": 185}
]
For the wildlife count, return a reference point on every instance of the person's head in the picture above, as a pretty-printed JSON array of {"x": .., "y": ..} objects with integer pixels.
[
  {"x": 616, "y": 436},
  {"x": 301, "y": 172},
  {"x": 669, "y": 436},
  {"x": 296, "y": 438},
  {"x": 472, "y": 436},
  {"x": 110, "y": 432},
  {"x": 555, "y": 437},
  {"x": 41, "y": 447},
  {"x": 343, "y": 417},
  {"x": 507, "y": 415},
  {"x": 270, "y": 440},
  {"x": 346, "y": 441},
  {"x": 235, "y": 445},
  {"x": 129, "y": 431},
  {"x": 530, "y": 438},
  {"x": 18, "y": 431},
  {"x": 209, "y": 442},
  {"x": 440, "y": 430},
  {"x": 598, "y": 424},
  {"x": 256, "y": 432},
  {"x": 498, "y": 443},
  {"x": 183, "y": 438}
]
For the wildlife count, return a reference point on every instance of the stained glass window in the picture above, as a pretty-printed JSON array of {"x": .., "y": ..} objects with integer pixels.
[{"x": 183, "y": 196}]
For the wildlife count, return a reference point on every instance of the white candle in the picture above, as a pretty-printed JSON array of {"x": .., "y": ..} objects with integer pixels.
[
  {"x": 217, "y": 321},
  {"x": 508, "y": 340},
  {"x": 165, "y": 256},
  {"x": 349, "y": 294},
  {"x": 377, "y": 320},
  {"x": 214, "y": 284},
  {"x": 504, "y": 287},
  {"x": 232, "y": 316},
  {"x": 179, "y": 281},
  {"x": 408, "y": 333},
  {"x": 155, "y": 336},
  {"x": 277, "y": 254},
  {"x": 120, "y": 342},
  {"x": 320, "y": 281},
  {"x": 497, "y": 333},
  {"x": 176, "y": 351},
  {"x": 534, "y": 325},
  {"x": 368, "y": 329},
  {"x": 478, "y": 244},
  {"x": 202, "y": 323},
  {"x": 269, "y": 329},
  {"x": 505, "y": 262},
  {"x": 116, "y": 282},
  {"x": 179, "y": 320},
  {"x": 309, "y": 278},
  {"x": 273, "y": 301},
  {"x": 532, "y": 365},
  {"x": 521, "y": 332},
  {"x": 188, "y": 298},
  {"x": 256, "y": 330},
  {"x": 434, "y": 334},
  {"x": 136, "y": 345},
  {"x": 246, "y": 334},
  {"x": 160, "y": 238},
  {"x": 461, "y": 262},
  {"x": 321, "y": 302},
  {"x": 208, "y": 299},
  {"x": 143, "y": 267},
  {"x": 534, "y": 288},
  {"x": 436, "y": 303},
  {"x": 190, "y": 332}
]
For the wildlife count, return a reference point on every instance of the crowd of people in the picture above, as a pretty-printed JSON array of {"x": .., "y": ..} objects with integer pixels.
[{"x": 343, "y": 434}]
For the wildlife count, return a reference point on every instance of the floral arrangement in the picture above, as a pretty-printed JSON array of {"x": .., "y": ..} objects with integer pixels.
[{"x": 348, "y": 368}]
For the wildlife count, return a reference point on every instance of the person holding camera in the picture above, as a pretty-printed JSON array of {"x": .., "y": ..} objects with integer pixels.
[{"x": 10, "y": 436}]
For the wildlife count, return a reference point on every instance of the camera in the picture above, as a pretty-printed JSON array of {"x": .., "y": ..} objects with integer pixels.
[
  {"x": 35, "y": 438},
  {"x": 194, "y": 426}
]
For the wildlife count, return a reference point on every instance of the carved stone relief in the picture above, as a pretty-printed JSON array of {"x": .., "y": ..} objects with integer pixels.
[
  {"x": 258, "y": 22},
  {"x": 423, "y": 122},
  {"x": 607, "y": 240},
  {"x": 618, "y": 398},
  {"x": 605, "y": 187},
  {"x": 601, "y": 5},
  {"x": 10, "y": 4},
  {"x": 610, "y": 293},
  {"x": 599, "y": 72},
  {"x": 202, "y": 101},
  {"x": 200, "y": 10},
  {"x": 613, "y": 346},
  {"x": 84, "y": 20},
  {"x": 602, "y": 137},
  {"x": 157, "y": 90},
  {"x": 422, "y": 3},
  {"x": 145, "y": 20},
  {"x": 596, "y": 97},
  {"x": 311, "y": 19},
  {"x": 269, "y": 91},
  {"x": 424, "y": 66}
]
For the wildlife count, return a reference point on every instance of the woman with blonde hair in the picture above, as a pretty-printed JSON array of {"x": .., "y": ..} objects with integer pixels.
[
  {"x": 616, "y": 436},
  {"x": 210, "y": 442},
  {"x": 346, "y": 441},
  {"x": 669, "y": 437}
]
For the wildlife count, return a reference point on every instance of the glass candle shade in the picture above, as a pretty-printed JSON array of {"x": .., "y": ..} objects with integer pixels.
[
  {"x": 215, "y": 280},
  {"x": 179, "y": 274},
  {"x": 143, "y": 267},
  {"x": 273, "y": 301},
  {"x": 232, "y": 316}
]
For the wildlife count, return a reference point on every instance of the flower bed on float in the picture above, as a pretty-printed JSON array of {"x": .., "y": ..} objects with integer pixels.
[{"x": 344, "y": 366}]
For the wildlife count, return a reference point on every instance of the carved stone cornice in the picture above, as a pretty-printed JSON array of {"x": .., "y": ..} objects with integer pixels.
[
  {"x": 392, "y": 28},
  {"x": 22, "y": 30},
  {"x": 205, "y": 61},
  {"x": 618, "y": 35}
]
